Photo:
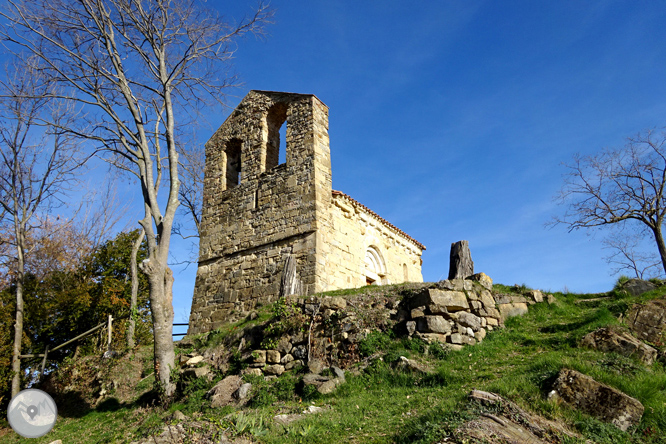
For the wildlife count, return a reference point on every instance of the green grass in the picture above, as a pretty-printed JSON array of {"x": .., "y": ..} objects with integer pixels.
[{"x": 382, "y": 405}]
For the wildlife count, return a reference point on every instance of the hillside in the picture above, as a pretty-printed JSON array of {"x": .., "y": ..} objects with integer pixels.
[{"x": 384, "y": 398}]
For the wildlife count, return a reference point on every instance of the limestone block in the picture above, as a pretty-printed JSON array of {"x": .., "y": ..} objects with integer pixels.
[
  {"x": 469, "y": 320},
  {"x": 596, "y": 399},
  {"x": 275, "y": 369},
  {"x": 411, "y": 327},
  {"x": 272, "y": 356},
  {"x": 492, "y": 322},
  {"x": 648, "y": 321},
  {"x": 259, "y": 356},
  {"x": 286, "y": 359},
  {"x": 456, "y": 338},
  {"x": 502, "y": 298},
  {"x": 511, "y": 310},
  {"x": 293, "y": 364},
  {"x": 418, "y": 312},
  {"x": 222, "y": 393},
  {"x": 452, "y": 300},
  {"x": 433, "y": 324},
  {"x": 535, "y": 295},
  {"x": 252, "y": 372},
  {"x": 472, "y": 295},
  {"x": 480, "y": 335},
  {"x": 607, "y": 340},
  {"x": 482, "y": 279},
  {"x": 430, "y": 337},
  {"x": 455, "y": 285}
]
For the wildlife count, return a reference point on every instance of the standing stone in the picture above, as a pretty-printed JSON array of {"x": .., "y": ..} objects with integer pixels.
[
  {"x": 460, "y": 265},
  {"x": 290, "y": 284}
]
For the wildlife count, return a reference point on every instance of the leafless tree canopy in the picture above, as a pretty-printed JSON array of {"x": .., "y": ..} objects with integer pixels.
[
  {"x": 139, "y": 69},
  {"x": 619, "y": 187},
  {"x": 37, "y": 165}
]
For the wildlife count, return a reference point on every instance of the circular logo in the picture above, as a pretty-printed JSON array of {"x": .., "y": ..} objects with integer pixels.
[{"x": 32, "y": 413}]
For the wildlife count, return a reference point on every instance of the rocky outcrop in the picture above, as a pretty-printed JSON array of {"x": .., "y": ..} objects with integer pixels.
[
  {"x": 648, "y": 321},
  {"x": 505, "y": 422},
  {"x": 622, "y": 343},
  {"x": 599, "y": 400},
  {"x": 636, "y": 287}
]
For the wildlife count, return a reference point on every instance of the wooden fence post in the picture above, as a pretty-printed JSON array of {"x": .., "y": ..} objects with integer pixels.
[
  {"x": 108, "y": 344},
  {"x": 46, "y": 352}
]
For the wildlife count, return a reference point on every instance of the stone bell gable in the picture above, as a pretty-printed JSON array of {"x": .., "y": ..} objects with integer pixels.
[{"x": 258, "y": 212}]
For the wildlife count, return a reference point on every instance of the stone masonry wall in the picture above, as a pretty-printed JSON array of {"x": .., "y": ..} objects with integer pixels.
[
  {"x": 257, "y": 213},
  {"x": 454, "y": 313},
  {"x": 352, "y": 230},
  {"x": 248, "y": 229}
]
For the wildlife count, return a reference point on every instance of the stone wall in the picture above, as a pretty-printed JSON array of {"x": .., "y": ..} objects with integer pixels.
[
  {"x": 248, "y": 229},
  {"x": 353, "y": 234},
  {"x": 257, "y": 213},
  {"x": 454, "y": 313}
]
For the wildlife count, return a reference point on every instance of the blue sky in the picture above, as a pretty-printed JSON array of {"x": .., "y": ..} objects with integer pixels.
[{"x": 451, "y": 118}]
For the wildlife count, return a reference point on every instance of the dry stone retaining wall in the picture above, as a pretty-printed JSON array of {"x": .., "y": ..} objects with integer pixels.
[{"x": 453, "y": 312}]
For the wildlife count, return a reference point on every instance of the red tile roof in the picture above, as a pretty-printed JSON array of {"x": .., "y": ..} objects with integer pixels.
[{"x": 381, "y": 219}]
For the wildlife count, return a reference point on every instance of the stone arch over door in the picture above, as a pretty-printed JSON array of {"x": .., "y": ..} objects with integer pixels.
[{"x": 375, "y": 267}]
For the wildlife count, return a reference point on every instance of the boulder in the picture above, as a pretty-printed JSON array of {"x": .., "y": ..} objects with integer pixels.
[
  {"x": 410, "y": 365},
  {"x": 599, "y": 400},
  {"x": 242, "y": 391},
  {"x": 433, "y": 324},
  {"x": 467, "y": 319},
  {"x": 316, "y": 366},
  {"x": 511, "y": 310},
  {"x": 483, "y": 279},
  {"x": 461, "y": 265},
  {"x": 510, "y": 424},
  {"x": 194, "y": 361},
  {"x": 637, "y": 287},
  {"x": 607, "y": 340},
  {"x": 448, "y": 300},
  {"x": 198, "y": 372},
  {"x": 648, "y": 321},
  {"x": 535, "y": 295},
  {"x": 275, "y": 369},
  {"x": 222, "y": 394},
  {"x": 272, "y": 356}
]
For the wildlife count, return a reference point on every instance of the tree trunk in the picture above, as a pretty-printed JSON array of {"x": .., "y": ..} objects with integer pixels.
[
  {"x": 659, "y": 238},
  {"x": 460, "y": 265},
  {"x": 18, "y": 326},
  {"x": 290, "y": 284},
  {"x": 160, "y": 280},
  {"x": 135, "y": 289}
]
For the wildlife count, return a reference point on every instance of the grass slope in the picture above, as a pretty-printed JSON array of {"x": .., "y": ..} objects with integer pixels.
[{"x": 382, "y": 405}]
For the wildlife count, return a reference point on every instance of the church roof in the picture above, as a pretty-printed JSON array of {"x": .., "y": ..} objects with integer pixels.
[{"x": 381, "y": 219}]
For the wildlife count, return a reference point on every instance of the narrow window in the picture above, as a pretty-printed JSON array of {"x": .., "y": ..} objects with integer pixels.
[
  {"x": 277, "y": 134},
  {"x": 405, "y": 274},
  {"x": 233, "y": 151}
]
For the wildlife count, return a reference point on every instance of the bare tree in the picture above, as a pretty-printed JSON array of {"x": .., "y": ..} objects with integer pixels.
[
  {"x": 138, "y": 68},
  {"x": 627, "y": 253},
  {"x": 619, "y": 186},
  {"x": 36, "y": 167}
]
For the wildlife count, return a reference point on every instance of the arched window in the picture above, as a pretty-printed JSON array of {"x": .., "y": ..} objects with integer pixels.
[
  {"x": 405, "y": 273},
  {"x": 233, "y": 167},
  {"x": 275, "y": 145},
  {"x": 375, "y": 269}
]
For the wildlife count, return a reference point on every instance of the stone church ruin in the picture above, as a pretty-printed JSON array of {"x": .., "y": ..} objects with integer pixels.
[{"x": 260, "y": 214}]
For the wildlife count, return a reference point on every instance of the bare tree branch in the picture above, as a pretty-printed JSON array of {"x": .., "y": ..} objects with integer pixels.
[
  {"x": 139, "y": 69},
  {"x": 619, "y": 186}
]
